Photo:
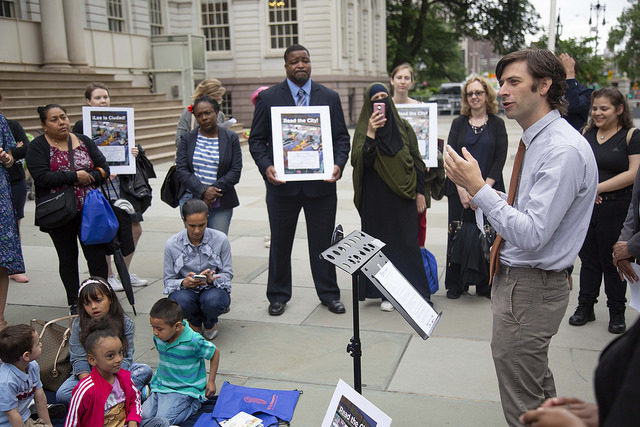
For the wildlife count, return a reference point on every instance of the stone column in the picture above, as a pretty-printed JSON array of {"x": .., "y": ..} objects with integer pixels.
[
  {"x": 74, "y": 24},
  {"x": 54, "y": 37}
]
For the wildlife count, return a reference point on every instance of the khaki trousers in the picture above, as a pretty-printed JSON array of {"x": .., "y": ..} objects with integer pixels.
[{"x": 528, "y": 305}]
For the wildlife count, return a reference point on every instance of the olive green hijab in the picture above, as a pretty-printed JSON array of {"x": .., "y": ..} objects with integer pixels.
[{"x": 398, "y": 170}]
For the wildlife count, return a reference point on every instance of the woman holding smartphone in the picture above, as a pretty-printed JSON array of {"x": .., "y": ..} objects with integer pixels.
[
  {"x": 388, "y": 181},
  {"x": 197, "y": 270}
]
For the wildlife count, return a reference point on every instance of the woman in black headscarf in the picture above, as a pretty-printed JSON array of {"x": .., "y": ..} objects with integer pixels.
[{"x": 388, "y": 181}]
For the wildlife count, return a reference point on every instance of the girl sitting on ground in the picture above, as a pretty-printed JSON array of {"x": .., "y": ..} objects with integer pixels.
[{"x": 97, "y": 300}]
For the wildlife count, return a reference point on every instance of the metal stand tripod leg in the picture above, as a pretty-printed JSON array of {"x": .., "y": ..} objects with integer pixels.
[{"x": 354, "y": 347}]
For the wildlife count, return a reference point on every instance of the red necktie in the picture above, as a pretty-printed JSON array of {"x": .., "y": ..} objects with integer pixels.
[{"x": 494, "y": 260}]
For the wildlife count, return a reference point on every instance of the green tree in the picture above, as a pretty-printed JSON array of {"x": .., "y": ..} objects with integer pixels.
[
  {"x": 591, "y": 67},
  {"x": 627, "y": 35},
  {"x": 427, "y": 31},
  {"x": 438, "y": 58}
]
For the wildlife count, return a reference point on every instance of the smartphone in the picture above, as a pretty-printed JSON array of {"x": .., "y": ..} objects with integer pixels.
[
  {"x": 200, "y": 277},
  {"x": 379, "y": 107}
]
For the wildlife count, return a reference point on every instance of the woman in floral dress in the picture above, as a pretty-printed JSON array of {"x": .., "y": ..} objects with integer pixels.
[{"x": 11, "y": 261}]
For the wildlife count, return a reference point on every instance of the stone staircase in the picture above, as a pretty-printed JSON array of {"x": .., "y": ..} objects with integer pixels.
[{"x": 155, "y": 117}]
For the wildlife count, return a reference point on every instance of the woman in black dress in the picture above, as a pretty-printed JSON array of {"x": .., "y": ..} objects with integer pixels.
[{"x": 388, "y": 176}]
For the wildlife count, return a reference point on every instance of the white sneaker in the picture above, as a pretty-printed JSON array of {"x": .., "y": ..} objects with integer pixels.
[
  {"x": 115, "y": 283},
  {"x": 210, "y": 334},
  {"x": 137, "y": 282},
  {"x": 386, "y": 306}
]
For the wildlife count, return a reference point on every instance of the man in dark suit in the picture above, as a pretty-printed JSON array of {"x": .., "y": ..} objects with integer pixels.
[{"x": 285, "y": 199}]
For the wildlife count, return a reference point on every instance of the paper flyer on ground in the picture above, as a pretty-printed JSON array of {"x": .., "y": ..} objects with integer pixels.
[
  {"x": 112, "y": 130},
  {"x": 423, "y": 118},
  {"x": 302, "y": 143},
  {"x": 348, "y": 408}
]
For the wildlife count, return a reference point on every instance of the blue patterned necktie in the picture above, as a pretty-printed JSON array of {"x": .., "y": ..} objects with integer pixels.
[{"x": 301, "y": 100}]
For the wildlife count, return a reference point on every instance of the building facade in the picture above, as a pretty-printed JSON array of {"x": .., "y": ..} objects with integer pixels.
[{"x": 244, "y": 41}]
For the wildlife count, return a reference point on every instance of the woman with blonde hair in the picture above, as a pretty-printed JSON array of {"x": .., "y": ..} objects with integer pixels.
[
  {"x": 213, "y": 88},
  {"x": 484, "y": 135}
]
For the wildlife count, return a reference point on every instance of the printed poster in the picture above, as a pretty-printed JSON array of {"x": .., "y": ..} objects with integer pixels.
[
  {"x": 348, "y": 408},
  {"x": 112, "y": 130},
  {"x": 423, "y": 118},
  {"x": 302, "y": 143}
]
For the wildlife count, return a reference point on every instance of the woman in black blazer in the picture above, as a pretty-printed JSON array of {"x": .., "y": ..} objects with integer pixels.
[
  {"x": 209, "y": 163},
  {"x": 480, "y": 131}
]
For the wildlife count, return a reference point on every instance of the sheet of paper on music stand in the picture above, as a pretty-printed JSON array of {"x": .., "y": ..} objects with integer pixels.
[{"x": 406, "y": 295}]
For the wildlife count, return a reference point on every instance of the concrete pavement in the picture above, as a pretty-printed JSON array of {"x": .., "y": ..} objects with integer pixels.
[{"x": 447, "y": 380}]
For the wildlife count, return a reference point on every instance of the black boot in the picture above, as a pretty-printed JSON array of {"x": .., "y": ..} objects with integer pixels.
[
  {"x": 616, "y": 322},
  {"x": 584, "y": 313}
]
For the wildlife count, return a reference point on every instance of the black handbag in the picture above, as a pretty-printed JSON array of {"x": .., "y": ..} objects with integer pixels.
[
  {"x": 486, "y": 241},
  {"x": 169, "y": 193},
  {"x": 54, "y": 210}
]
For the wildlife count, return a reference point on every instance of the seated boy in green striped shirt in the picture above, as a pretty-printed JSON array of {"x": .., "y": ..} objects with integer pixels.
[{"x": 180, "y": 383}]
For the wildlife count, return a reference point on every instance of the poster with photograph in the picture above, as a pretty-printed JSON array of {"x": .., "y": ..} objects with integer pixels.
[
  {"x": 112, "y": 130},
  {"x": 302, "y": 143},
  {"x": 423, "y": 118},
  {"x": 348, "y": 408}
]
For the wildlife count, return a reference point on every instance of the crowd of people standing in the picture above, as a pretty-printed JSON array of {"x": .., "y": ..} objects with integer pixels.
[{"x": 570, "y": 195}]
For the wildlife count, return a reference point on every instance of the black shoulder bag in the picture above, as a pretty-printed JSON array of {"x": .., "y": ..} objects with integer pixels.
[{"x": 54, "y": 210}]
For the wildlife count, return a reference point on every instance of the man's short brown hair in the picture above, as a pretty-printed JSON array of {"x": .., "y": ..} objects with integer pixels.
[{"x": 541, "y": 63}]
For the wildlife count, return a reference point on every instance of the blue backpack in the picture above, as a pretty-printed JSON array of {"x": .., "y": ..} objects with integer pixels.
[{"x": 431, "y": 268}]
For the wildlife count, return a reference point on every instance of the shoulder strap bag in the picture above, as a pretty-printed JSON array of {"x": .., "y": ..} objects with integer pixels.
[
  {"x": 54, "y": 210},
  {"x": 55, "y": 362}
]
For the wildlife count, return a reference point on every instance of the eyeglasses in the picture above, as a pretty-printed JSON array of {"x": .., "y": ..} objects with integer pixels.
[{"x": 477, "y": 93}]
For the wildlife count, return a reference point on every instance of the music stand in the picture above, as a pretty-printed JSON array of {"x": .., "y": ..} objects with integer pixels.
[{"x": 361, "y": 252}]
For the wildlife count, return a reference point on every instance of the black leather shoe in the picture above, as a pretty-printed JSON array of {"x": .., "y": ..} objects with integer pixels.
[
  {"x": 335, "y": 306},
  {"x": 277, "y": 308},
  {"x": 582, "y": 315},
  {"x": 616, "y": 323},
  {"x": 452, "y": 295}
]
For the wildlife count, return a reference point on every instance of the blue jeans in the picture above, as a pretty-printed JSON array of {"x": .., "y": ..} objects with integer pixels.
[
  {"x": 204, "y": 306},
  {"x": 140, "y": 375},
  {"x": 218, "y": 219},
  {"x": 172, "y": 407}
]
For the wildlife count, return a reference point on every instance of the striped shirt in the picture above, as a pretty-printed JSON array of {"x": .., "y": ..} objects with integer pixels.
[
  {"x": 181, "y": 368},
  {"x": 206, "y": 158}
]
